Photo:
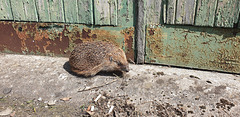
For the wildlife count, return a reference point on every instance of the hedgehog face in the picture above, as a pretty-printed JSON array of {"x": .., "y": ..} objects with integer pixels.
[{"x": 119, "y": 61}]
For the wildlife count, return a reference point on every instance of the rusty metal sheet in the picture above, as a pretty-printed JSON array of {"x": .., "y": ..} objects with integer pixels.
[
  {"x": 194, "y": 47},
  {"x": 59, "y": 39}
]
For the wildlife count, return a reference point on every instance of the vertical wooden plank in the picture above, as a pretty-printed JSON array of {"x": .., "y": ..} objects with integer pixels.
[
  {"x": 113, "y": 12},
  {"x": 102, "y": 12},
  {"x": 71, "y": 11},
  {"x": 105, "y": 12},
  {"x": 30, "y": 10},
  {"x": 205, "y": 12},
  {"x": 170, "y": 11},
  {"x": 125, "y": 12},
  {"x": 43, "y": 10},
  {"x": 85, "y": 11},
  {"x": 5, "y": 10},
  {"x": 227, "y": 13},
  {"x": 56, "y": 10},
  {"x": 18, "y": 10},
  {"x": 153, "y": 11},
  {"x": 185, "y": 13},
  {"x": 140, "y": 31},
  {"x": 24, "y": 10}
]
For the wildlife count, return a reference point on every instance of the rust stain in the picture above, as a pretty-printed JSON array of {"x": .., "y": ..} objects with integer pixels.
[
  {"x": 45, "y": 47},
  {"x": 58, "y": 38},
  {"x": 128, "y": 41},
  {"x": 28, "y": 38},
  {"x": 85, "y": 33},
  {"x": 9, "y": 38},
  {"x": 151, "y": 31},
  {"x": 155, "y": 44}
]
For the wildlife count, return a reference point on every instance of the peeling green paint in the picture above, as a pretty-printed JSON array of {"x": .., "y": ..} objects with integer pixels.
[
  {"x": 195, "y": 47},
  {"x": 5, "y": 11},
  {"x": 205, "y": 15}
]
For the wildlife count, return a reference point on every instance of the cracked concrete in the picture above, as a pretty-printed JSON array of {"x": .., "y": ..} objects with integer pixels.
[{"x": 153, "y": 90}]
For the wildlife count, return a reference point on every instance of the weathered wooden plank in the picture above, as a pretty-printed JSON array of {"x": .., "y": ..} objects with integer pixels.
[
  {"x": 18, "y": 10},
  {"x": 71, "y": 11},
  {"x": 105, "y": 12},
  {"x": 170, "y": 12},
  {"x": 102, "y": 12},
  {"x": 85, "y": 11},
  {"x": 185, "y": 12},
  {"x": 113, "y": 12},
  {"x": 153, "y": 11},
  {"x": 227, "y": 13},
  {"x": 125, "y": 12},
  {"x": 140, "y": 31},
  {"x": 30, "y": 10},
  {"x": 56, "y": 10},
  {"x": 5, "y": 10},
  {"x": 24, "y": 10},
  {"x": 43, "y": 10},
  {"x": 206, "y": 12}
]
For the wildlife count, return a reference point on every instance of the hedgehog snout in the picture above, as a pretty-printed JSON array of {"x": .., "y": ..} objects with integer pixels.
[{"x": 126, "y": 68}]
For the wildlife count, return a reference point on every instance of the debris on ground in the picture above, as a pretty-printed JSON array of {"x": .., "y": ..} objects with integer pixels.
[{"x": 45, "y": 86}]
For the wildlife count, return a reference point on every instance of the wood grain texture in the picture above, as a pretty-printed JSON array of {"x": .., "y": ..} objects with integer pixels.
[
  {"x": 71, "y": 11},
  {"x": 102, "y": 12},
  {"x": 185, "y": 12},
  {"x": 5, "y": 10},
  {"x": 18, "y": 10},
  {"x": 30, "y": 10},
  {"x": 56, "y": 10},
  {"x": 24, "y": 10},
  {"x": 205, "y": 14},
  {"x": 170, "y": 11},
  {"x": 125, "y": 13},
  {"x": 153, "y": 11},
  {"x": 113, "y": 12},
  {"x": 85, "y": 11},
  {"x": 140, "y": 31},
  {"x": 43, "y": 10},
  {"x": 227, "y": 13}
]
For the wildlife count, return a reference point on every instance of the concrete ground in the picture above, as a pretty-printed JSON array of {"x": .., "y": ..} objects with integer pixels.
[{"x": 44, "y": 86}]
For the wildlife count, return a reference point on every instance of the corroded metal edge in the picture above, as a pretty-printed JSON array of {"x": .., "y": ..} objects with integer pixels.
[
  {"x": 194, "y": 47},
  {"x": 59, "y": 39}
]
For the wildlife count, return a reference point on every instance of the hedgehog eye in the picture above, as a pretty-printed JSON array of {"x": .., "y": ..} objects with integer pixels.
[{"x": 119, "y": 63}]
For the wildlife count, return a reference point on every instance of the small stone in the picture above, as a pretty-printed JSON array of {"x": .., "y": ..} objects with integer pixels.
[
  {"x": 39, "y": 99},
  {"x": 51, "y": 102},
  {"x": 6, "y": 112},
  {"x": 62, "y": 77},
  {"x": 7, "y": 90},
  {"x": 65, "y": 98}
]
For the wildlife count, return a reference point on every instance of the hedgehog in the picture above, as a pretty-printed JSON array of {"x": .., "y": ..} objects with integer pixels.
[{"x": 89, "y": 58}]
